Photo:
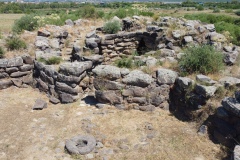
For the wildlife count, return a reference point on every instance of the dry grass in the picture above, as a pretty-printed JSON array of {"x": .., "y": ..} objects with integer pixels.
[
  {"x": 27, "y": 134},
  {"x": 7, "y": 21},
  {"x": 181, "y": 12}
]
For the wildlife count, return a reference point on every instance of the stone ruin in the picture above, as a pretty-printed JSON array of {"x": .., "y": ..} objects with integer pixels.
[{"x": 131, "y": 89}]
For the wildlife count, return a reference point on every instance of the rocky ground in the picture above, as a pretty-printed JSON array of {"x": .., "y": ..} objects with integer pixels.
[{"x": 41, "y": 134}]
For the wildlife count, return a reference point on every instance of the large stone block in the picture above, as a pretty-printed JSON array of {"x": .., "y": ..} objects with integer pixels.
[
  {"x": 15, "y": 62},
  {"x": 3, "y": 63},
  {"x": 166, "y": 76},
  {"x": 75, "y": 68},
  {"x": 100, "y": 84},
  {"x": 107, "y": 71},
  {"x": 66, "y": 88},
  {"x": 67, "y": 98},
  {"x": 5, "y": 83},
  {"x": 108, "y": 97},
  {"x": 26, "y": 67},
  {"x": 19, "y": 74},
  {"x": 46, "y": 78},
  {"x": 3, "y": 75},
  {"x": 137, "y": 78}
]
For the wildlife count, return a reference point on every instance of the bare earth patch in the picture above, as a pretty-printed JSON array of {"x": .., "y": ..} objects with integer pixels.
[{"x": 41, "y": 134}]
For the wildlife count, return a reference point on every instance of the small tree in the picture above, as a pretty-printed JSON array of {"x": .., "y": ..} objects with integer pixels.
[
  {"x": 201, "y": 59},
  {"x": 112, "y": 27}
]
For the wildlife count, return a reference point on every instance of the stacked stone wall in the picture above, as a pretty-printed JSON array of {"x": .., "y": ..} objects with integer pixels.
[{"x": 16, "y": 71}]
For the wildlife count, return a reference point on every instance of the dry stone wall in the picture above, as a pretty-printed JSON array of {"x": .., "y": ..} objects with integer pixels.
[
  {"x": 63, "y": 84},
  {"x": 133, "y": 89},
  {"x": 16, "y": 71},
  {"x": 125, "y": 43}
]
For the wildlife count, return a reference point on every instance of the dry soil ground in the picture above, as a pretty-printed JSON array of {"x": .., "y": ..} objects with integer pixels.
[{"x": 27, "y": 134}]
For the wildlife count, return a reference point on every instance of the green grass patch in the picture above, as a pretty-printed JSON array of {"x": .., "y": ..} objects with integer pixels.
[{"x": 51, "y": 61}]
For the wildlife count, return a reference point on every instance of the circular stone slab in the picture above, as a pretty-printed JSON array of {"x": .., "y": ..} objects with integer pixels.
[{"x": 81, "y": 144}]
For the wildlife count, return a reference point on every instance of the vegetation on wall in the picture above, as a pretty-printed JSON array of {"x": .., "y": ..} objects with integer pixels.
[{"x": 201, "y": 59}]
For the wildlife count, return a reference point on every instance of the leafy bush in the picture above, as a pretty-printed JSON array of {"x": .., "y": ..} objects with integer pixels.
[
  {"x": 15, "y": 43},
  {"x": 50, "y": 61},
  {"x": 125, "y": 62},
  {"x": 87, "y": 11},
  {"x": 200, "y": 8},
  {"x": 201, "y": 59},
  {"x": 216, "y": 10},
  {"x": 1, "y": 52},
  {"x": 121, "y": 13},
  {"x": 25, "y": 23},
  {"x": 237, "y": 12},
  {"x": 112, "y": 27}
]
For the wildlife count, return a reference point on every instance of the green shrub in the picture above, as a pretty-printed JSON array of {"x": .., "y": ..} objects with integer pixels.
[
  {"x": 112, "y": 27},
  {"x": 216, "y": 10},
  {"x": 15, "y": 43},
  {"x": 50, "y": 61},
  {"x": 121, "y": 13},
  {"x": 237, "y": 12},
  {"x": 200, "y": 8},
  {"x": 87, "y": 11},
  {"x": 125, "y": 63},
  {"x": 25, "y": 23},
  {"x": 1, "y": 52},
  {"x": 100, "y": 14},
  {"x": 201, "y": 59}
]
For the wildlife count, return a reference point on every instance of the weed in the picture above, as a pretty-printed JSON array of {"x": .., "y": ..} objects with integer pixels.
[
  {"x": 67, "y": 42},
  {"x": 231, "y": 90},
  {"x": 147, "y": 70},
  {"x": 50, "y": 61},
  {"x": 1, "y": 52},
  {"x": 220, "y": 92},
  {"x": 15, "y": 43},
  {"x": 125, "y": 62}
]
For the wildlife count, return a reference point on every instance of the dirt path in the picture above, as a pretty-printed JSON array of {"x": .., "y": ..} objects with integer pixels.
[{"x": 40, "y": 134}]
